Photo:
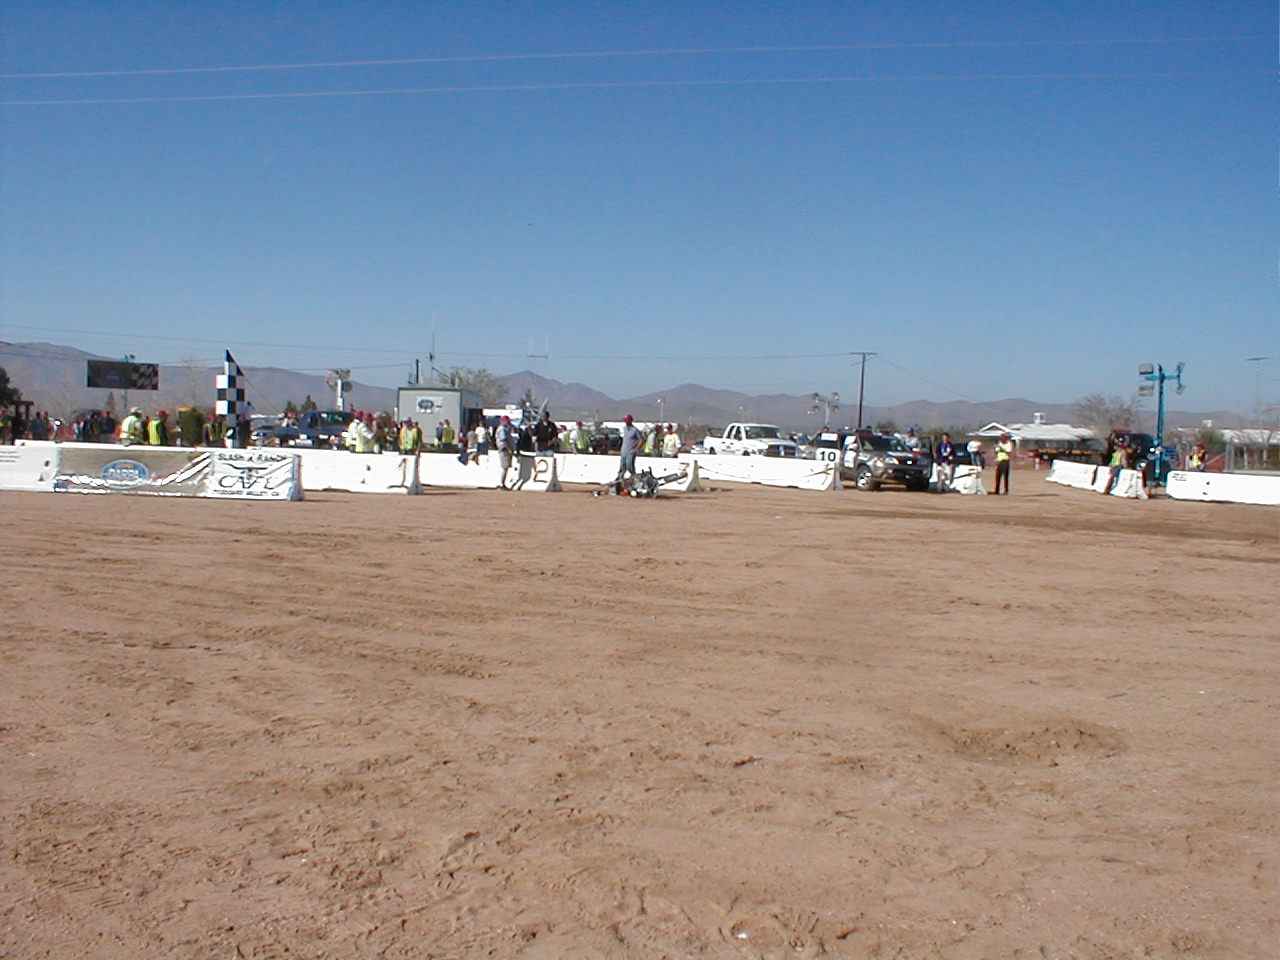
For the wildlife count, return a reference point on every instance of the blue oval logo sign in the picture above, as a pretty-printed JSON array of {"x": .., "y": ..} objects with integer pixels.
[{"x": 126, "y": 472}]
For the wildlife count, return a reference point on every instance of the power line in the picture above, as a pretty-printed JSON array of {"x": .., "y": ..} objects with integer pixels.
[
  {"x": 644, "y": 52},
  {"x": 633, "y": 85}
]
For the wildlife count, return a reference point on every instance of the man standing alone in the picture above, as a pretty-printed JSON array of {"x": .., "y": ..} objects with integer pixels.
[
  {"x": 631, "y": 441},
  {"x": 1004, "y": 457},
  {"x": 946, "y": 463}
]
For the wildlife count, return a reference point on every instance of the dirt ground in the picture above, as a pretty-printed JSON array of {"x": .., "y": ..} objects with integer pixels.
[{"x": 742, "y": 723}]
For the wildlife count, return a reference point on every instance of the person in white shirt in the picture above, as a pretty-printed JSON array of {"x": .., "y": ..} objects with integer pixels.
[
  {"x": 670, "y": 442},
  {"x": 974, "y": 447},
  {"x": 482, "y": 439}
]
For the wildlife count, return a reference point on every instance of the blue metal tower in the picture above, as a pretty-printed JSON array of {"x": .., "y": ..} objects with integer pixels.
[{"x": 1154, "y": 377}]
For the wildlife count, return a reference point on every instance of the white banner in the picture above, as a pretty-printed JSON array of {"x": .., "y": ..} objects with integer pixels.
[
  {"x": 1224, "y": 487},
  {"x": 254, "y": 475},
  {"x": 30, "y": 468}
]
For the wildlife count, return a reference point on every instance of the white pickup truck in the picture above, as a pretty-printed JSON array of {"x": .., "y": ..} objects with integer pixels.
[{"x": 750, "y": 439}]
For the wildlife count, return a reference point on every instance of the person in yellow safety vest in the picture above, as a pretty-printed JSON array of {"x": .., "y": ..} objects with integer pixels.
[
  {"x": 158, "y": 430},
  {"x": 649, "y": 437},
  {"x": 131, "y": 428},
  {"x": 450, "y": 436},
  {"x": 670, "y": 442},
  {"x": 1004, "y": 457},
  {"x": 1199, "y": 454},
  {"x": 410, "y": 437}
]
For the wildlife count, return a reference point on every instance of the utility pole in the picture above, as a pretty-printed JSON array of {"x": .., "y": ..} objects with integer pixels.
[
  {"x": 862, "y": 379},
  {"x": 1257, "y": 383}
]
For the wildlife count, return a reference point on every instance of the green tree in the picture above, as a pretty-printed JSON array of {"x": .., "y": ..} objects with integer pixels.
[
  {"x": 308, "y": 404},
  {"x": 291, "y": 408},
  {"x": 886, "y": 426},
  {"x": 8, "y": 394},
  {"x": 479, "y": 381}
]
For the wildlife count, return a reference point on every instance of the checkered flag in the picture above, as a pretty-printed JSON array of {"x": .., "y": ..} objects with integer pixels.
[{"x": 230, "y": 384}]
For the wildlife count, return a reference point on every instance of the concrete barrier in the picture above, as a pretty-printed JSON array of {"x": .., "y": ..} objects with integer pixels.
[
  {"x": 445, "y": 470},
  {"x": 1086, "y": 476},
  {"x": 1224, "y": 487},
  {"x": 1069, "y": 473},
  {"x": 535, "y": 473},
  {"x": 770, "y": 471},
  {"x": 357, "y": 472},
  {"x": 28, "y": 468}
]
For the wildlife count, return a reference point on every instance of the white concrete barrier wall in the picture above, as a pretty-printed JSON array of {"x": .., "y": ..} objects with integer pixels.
[
  {"x": 1072, "y": 474},
  {"x": 1087, "y": 476},
  {"x": 598, "y": 471},
  {"x": 357, "y": 472},
  {"x": 445, "y": 470},
  {"x": 1224, "y": 487},
  {"x": 770, "y": 471},
  {"x": 29, "y": 468}
]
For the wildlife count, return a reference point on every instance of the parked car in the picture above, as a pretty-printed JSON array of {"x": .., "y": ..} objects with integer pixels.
[
  {"x": 751, "y": 439},
  {"x": 606, "y": 440},
  {"x": 316, "y": 428},
  {"x": 873, "y": 459}
]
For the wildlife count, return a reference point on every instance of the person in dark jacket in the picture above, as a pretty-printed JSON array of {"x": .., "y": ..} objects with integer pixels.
[{"x": 946, "y": 460}]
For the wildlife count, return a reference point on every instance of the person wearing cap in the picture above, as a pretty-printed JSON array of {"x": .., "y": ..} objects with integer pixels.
[
  {"x": 631, "y": 440},
  {"x": 505, "y": 440},
  {"x": 1004, "y": 460},
  {"x": 131, "y": 428},
  {"x": 158, "y": 429},
  {"x": 215, "y": 430}
]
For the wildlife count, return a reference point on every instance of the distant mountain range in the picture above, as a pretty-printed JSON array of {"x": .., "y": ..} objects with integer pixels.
[{"x": 54, "y": 377}]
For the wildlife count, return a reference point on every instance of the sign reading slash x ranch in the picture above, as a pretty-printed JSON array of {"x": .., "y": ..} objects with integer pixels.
[{"x": 216, "y": 474}]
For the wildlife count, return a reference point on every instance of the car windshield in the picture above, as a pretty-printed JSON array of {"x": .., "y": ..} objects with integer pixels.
[
  {"x": 331, "y": 418},
  {"x": 879, "y": 442},
  {"x": 758, "y": 432}
]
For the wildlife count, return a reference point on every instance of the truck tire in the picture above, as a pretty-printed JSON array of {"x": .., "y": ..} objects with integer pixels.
[{"x": 863, "y": 479}]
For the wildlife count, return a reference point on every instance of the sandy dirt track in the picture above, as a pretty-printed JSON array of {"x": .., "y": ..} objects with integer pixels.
[{"x": 741, "y": 723}]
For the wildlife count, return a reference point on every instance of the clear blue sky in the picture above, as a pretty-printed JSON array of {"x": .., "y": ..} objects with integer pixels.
[{"x": 1013, "y": 199}]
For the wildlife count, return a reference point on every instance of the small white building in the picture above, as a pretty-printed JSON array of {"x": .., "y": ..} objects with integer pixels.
[{"x": 1039, "y": 435}]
